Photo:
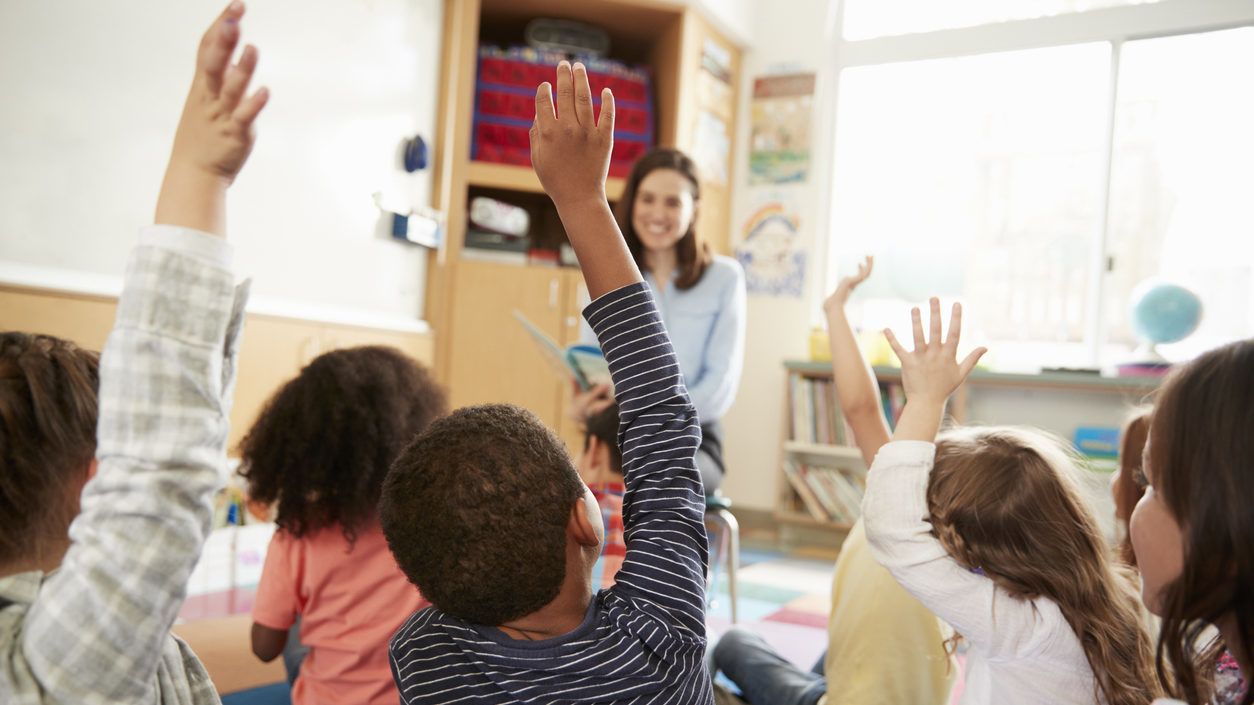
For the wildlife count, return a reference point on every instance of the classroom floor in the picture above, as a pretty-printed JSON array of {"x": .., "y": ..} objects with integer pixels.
[{"x": 784, "y": 597}]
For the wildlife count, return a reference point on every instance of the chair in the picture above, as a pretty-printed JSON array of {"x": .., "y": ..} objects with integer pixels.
[{"x": 726, "y": 548}]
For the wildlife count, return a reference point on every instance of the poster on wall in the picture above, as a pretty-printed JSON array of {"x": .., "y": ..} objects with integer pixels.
[
  {"x": 711, "y": 148},
  {"x": 770, "y": 251},
  {"x": 779, "y": 142}
]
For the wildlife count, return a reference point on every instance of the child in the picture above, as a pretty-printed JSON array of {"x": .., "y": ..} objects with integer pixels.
[
  {"x": 1193, "y": 531},
  {"x": 601, "y": 469},
  {"x": 105, "y": 500},
  {"x": 1127, "y": 482},
  {"x": 884, "y": 648},
  {"x": 320, "y": 450},
  {"x": 988, "y": 530},
  {"x": 487, "y": 516}
]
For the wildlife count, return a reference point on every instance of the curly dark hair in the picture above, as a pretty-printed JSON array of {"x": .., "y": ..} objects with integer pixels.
[
  {"x": 603, "y": 426},
  {"x": 323, "y": 443},
  {"x": 475, "y": 512},
  {"x": 49, "y": 391}
]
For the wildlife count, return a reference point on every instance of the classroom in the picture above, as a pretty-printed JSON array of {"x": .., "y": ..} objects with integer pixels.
[{"x": 807, "y": 352}]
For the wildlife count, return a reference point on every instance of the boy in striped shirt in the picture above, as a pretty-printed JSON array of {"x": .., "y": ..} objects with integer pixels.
[{"x": 487, "y": 516}]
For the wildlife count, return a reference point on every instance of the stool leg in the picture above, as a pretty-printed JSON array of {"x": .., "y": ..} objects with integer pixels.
[{"x": 733, "y": 563}]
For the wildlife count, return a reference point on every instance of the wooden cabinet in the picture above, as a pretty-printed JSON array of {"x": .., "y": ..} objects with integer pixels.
[{"x": 482, "y": 353}]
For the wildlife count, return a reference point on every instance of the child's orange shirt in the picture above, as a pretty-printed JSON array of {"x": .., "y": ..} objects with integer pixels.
[{"x": 350, "y": 603}]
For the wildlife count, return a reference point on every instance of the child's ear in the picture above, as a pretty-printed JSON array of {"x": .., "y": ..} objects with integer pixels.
[
  {"x": 92, "y": 467},
  {"x": 585, "y": 520}
]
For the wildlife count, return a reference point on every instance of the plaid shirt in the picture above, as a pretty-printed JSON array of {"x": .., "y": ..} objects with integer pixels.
[{"x": 97, "y": 630}]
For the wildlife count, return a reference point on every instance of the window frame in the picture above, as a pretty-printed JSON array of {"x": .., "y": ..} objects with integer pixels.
[{"x": 1112, "y": 25}]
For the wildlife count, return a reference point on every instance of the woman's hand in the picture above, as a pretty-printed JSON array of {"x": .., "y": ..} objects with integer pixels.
[
  {"x": 836, "y": 302},
  {"x": 584, "y": 404}
]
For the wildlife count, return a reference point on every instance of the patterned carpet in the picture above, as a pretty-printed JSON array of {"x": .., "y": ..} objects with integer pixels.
[{"x": 783, "y": 597}]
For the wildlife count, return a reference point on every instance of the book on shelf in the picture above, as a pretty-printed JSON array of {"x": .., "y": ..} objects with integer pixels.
[
  {"x": 802, "y": 489},
  {"x": 814, "y": 409},
  {"x": 827, "y": 493},
  {"x": 893, "y": 397}
]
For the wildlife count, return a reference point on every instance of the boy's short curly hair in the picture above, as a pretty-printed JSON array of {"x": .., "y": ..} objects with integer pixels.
[
  {"x": 323, "y": 443},
  {"x": 475, "y": 512}
]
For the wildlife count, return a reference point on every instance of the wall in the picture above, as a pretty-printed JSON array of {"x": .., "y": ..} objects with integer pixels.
[
  {"x": 92, "y": 92},
  {"x": 777, "y": 327}
]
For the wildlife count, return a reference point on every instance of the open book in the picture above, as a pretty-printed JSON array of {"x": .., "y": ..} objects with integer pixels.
[{"x": 583, "y": 363}]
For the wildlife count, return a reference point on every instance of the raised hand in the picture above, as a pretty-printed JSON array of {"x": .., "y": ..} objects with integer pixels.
[
  {"x": 570, "y": 149},
  {"x": 215, "y": 133},
  {"x": 838, "y": 298},
  {"x": 931, "y": 372}
]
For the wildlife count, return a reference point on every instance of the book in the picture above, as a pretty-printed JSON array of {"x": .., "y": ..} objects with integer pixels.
[
  {"x": 802, "y": 489},
  {"x": 583, "y": 363}
]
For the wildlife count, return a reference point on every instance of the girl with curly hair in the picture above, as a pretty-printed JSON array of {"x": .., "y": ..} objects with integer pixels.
[{"x": 319, "y": 452}]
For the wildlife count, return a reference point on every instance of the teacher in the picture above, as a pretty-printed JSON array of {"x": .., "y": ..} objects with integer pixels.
[{"x": 701, "y": 295}]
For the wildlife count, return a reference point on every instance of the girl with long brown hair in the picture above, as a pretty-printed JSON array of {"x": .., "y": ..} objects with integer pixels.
[
  {"x": 1193, "y": 531},
  {"x": 987, "y": 528}
]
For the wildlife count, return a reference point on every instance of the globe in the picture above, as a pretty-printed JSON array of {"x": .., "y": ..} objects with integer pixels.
[{"x": 1163, "y": 312}]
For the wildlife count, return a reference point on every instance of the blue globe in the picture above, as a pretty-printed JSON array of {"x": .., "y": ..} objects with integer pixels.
[{"x": 1165, "y": 313}]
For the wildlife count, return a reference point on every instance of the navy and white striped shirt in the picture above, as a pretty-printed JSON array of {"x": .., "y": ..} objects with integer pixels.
[{"x": 643, "y": 640}]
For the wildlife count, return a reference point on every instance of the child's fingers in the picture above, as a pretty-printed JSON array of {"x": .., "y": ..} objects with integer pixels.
[
  {"x": 916, "y": 319},
  {"x": 606, "y": 123},
  {"x": 565, "y": 91},
  {"x": 971, "y": 361},
  {"x": 583, "y": 97},
  {"x": 237, "y": 78},
  {"x": 217, "y": 45},
  {"x": 250, "y": 107},
  {"x": 934, "y": 336},
  {"x": 544, "y": 104},
  {"x": 896, "y": 346},
  {"x": 955, "y": 327}
]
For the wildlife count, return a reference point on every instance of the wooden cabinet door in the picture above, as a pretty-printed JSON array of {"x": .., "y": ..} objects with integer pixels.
[{"x": 492, "y": 357}]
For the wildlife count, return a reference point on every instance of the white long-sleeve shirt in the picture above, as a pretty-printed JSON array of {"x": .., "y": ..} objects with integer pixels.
[{"x": 1021, "y": 651}]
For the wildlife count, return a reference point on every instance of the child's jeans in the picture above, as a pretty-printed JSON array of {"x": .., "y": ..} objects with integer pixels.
[{"x": 762, "y": 675}]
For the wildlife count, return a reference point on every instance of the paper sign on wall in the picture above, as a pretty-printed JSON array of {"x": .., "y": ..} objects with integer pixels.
[
  {"x": 771, "y": 253},
  {"x": 779, "y": 145}
]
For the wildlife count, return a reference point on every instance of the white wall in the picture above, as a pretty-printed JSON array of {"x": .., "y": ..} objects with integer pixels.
[
  {"x": 92, "y": 91},
  {"x": 777, "y": 328}
]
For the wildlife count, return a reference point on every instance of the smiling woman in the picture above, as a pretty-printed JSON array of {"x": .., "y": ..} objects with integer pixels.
[{"x": 701, "y": 295}]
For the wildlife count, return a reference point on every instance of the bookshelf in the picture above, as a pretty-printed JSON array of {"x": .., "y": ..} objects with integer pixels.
[
  {"x": 823, "y": 472},
  {"x": 813, "y": 438}
]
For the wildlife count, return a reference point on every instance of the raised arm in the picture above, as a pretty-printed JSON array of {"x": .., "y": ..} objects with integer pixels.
[
  {"x": 856, "y": 387},
  {"x": 663, "y": 507},
  {"x": 100, "y": 624}
]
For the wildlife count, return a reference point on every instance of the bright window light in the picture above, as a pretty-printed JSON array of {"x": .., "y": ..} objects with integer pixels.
[{"x": 866, "y": 19}]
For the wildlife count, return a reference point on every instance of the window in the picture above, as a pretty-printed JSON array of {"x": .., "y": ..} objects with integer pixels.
[
  {"x": 1182, "y": 183},
  {"x": 1042, "y": 187},
  {"x": 865, "y": 19}
]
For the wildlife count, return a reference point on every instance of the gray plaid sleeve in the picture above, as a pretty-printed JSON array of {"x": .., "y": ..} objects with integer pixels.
[{"x": 97, "y": 631}]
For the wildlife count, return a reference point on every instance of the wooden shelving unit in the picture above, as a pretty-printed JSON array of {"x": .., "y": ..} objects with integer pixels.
[
  {"x": 791, "y": 510},
  {"x": 481, "y": 353}
]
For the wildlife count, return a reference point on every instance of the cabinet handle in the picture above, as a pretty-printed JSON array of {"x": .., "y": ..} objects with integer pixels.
[{"x": 553, "y": 287}]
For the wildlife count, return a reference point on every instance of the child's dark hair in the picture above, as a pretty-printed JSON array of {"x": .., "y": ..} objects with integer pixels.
[
  {"x": 603, "y": 426},
  {"x": 49, "y": 392},
  {"x": 1201, "y": 457},
  {"x": 324, "y": 442},
  {"x": 475, "y": 512}
]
